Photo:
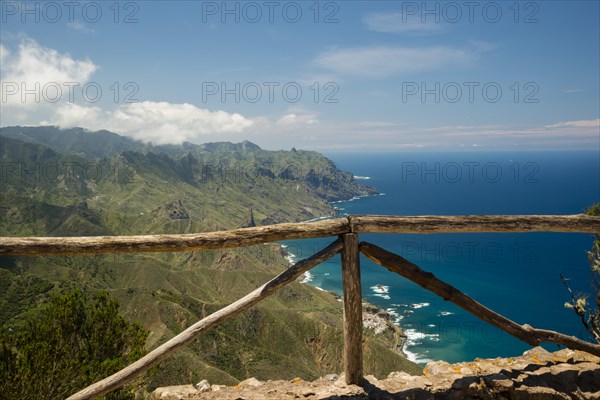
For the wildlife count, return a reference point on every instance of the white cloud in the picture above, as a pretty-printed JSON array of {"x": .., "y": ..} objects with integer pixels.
[
  {"x": 80, "y": 27},
  {"x": 398, "y": 23},
  {"x": 3, "y": 53},
  {"x": 34, "y": 66},
  {"x": 158, "y": 122},
  {"x": 383, "y": 61},
  {"x": 389, "y": 136},
  {"x": 293, "y": 120},
  {"x": 563, "y": 135},
  {"x": 71, "y": 115},
  {"x": 590, "y": 123}
]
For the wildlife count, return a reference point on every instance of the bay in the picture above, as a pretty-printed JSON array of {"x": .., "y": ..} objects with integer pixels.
[{"x": 515, "y": 274}]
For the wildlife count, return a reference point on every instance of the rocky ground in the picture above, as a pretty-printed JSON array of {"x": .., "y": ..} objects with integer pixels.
[{"x": 537, "y": 374}]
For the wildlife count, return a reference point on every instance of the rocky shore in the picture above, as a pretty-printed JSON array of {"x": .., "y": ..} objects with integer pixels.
[
  {"x": 537, "y": 374},
  {"x": 380, "y": 322}
]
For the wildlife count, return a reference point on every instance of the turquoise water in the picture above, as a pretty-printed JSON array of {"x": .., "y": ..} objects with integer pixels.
[{"x": 515, "y": 274}]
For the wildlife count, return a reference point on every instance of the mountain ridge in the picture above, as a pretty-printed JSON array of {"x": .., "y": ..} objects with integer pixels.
[
  {"x": 81, "y": 141},
  {"x": 46, "y": 192}
]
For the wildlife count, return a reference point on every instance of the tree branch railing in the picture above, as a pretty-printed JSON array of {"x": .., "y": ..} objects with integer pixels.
[
  {"x": 427, "y": 280},
  {"x": 347, "y": 229},
  {"x": 32, "y": 246},
  {"x": 160, "y": 353}
]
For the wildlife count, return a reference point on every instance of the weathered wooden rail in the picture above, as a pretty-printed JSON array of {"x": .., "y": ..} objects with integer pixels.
[
  {"x": 31, "y": 246},
  {"x": 347, "y": 229}
]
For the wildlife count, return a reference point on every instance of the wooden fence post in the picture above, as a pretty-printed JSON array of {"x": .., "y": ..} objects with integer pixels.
[
  {"x": 125, "y": 375},
  {"x": 353, "y": 365}
]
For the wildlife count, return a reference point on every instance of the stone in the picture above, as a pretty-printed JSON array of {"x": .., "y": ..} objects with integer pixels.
[
  {"x": 253, "y": 382},
  {"x": 399, "y": 375},
  {"x": 476, "y": 389},
  {"x": 426, "y": 381},
  {"x": 341, "y": 381},
  {"x": 175, "y": 392},
  {"x": 537, "y": 374},
  {"x": 402, "y": 377},
  {"x": 463, "y": 383},
  {"x": 203, "y": 386},
  {"x": 331, "y": 377},
  {"x": 564, "y": 374},
  {"x": 564, "y": 355},
  {"x": 582, "y": 356},
  {"x": 537, "y": 393},
  {"x": 437, "y": 368},
  {"x": 589, "y": 378},
  {"x": 538, "y": 355},
  {"x": 498, "y": 382},
  {"x": 490, "y": 367}
]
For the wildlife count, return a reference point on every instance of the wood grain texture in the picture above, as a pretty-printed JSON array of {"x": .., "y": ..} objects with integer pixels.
[
  {"x": 474, "y": 223},
  {"x": 32, "y": 246},
  {"x": 427, "y": 280},
  {"x": 184, "y": 338},
  {"x": 347, "y": 228},
  {"x": 353, "y": 365}
]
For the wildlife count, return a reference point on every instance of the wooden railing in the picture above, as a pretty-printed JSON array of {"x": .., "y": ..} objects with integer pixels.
[{"x": 347, "y": 230}]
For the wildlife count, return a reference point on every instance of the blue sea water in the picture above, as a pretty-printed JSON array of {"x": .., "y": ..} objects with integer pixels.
[{"x": 515, "y": 274}]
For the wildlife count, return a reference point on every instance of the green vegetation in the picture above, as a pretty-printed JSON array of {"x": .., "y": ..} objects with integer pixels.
[
  {"x": 77, "y": 183},
  {"x": 70, "y": 343},
  {"x": 588, "y": 314}
]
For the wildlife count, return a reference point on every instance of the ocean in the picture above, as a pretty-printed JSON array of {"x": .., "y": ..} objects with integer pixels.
[{"x": 515, "y": 274}]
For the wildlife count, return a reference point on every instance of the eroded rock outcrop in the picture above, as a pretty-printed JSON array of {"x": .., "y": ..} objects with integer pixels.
[{"x": 537, "y": 374}]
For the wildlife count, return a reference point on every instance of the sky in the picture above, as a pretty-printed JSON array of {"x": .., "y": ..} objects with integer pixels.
[{"x": 326, "y": 76}]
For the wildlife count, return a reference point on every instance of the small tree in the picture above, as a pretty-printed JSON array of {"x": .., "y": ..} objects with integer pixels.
[
  {"x": 590, "y": 316},
  {"x": 71, "y": 343}
]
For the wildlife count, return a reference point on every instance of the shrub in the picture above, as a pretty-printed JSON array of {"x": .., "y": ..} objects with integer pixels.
[
  {"x": 72, "y": 342},
  {"x": 589, "y": 315}
]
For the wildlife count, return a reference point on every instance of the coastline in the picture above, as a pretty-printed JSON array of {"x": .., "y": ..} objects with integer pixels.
[
  {"x": 439, "y": 331},
  {"x": 339, "y": 209},
  {"x": 375, "y": 319}
]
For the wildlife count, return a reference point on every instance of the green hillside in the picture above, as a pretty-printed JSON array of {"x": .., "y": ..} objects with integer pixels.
[{"x": 74, "y": 182}]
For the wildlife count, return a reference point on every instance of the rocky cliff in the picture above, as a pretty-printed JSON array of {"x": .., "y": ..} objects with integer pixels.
[{"x": 537, "y": 374}]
